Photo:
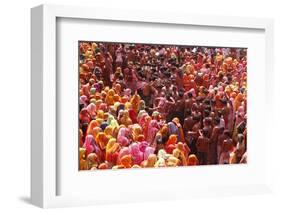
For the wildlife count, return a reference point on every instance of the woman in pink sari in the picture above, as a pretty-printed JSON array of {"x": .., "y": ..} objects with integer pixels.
[
  {"x": 122, "y": 138},
  {"x": 148, "y": 151},
  {"x": 92, "y": 109},
  {"x": 137, "y": 155},
  {"x": 91, "y": 146},
  {"x": 153, "y": 128},
  {"x": 124, "y": 151}
]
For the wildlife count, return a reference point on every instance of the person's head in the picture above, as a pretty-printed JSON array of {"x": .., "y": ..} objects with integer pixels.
[
  {"x": 224, "y": 102},
  {"x": 240, "y": 138},
  {"x": 227, "y": 133},
  {"x": 188, "y": 112},
  {"x": 181, "y": 94},
  {"x": 194, "y": 107},
  {"x": 217, "y": 121},
  {"x": 206, "y": 113},
  {"x": 168, "y": 96},
  {"x": 196, "y": 118},
  {"x": 207, "y": 121},
  {"x": 130, "y": 64},
  {"x": 205, "y": 131}
]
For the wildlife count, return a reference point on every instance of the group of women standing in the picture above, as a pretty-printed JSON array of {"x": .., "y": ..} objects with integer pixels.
[{"x": 146, "y": 105}]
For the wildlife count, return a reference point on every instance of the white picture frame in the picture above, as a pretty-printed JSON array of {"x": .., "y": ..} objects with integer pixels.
[{"x": 44, "y": 84}]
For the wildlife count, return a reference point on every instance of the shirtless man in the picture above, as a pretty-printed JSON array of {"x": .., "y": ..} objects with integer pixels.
[
  {"x": 214, "y": 142},
  {"x": 226, "y": 149},
  {"x": 188, "y": 121},
  {"x": 202, "y": 145},
  {"x": 189, "y": 101},
  {"x": 178, "y": 109},
  {"x": 131, "y": 78},
  {"x": 148, "y": 91},
  {"x": 193, "y": 135},
  {"x": 163, "y": 104}
]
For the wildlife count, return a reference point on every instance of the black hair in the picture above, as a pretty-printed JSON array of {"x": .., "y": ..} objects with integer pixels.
[
  {"x": 240, "y": 137},
  {"x": 216, "y": 120},
  {"x": 84, "y": 127},
  {"x": 227, "y": 133},
  {"x": 205, "y": 131},
  {"x": 187, "y": 112},
  {"x": 206, "y": 113},
  {"x": 181, "y": 94},
  {"x": 196, "y": 118}
]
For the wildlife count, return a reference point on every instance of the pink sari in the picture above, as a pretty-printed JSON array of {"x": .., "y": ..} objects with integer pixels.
[
  {"x": 149, "y": 150},
  {"x": 122, "y": 137},
  {"x": 152, "y": 130},
  {"x": 136, "y": 153}
]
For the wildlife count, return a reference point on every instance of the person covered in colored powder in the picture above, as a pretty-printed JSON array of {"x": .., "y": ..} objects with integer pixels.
[{"x": 148, "y": 106}]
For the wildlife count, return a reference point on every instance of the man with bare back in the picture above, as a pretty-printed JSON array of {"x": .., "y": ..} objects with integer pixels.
[{"x": 202, "y": 144}]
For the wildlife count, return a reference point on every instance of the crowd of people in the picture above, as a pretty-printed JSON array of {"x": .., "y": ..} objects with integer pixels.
[{"x": 146, "y": 105}]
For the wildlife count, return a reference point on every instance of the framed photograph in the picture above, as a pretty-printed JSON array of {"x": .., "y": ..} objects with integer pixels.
[{"x": 131, "y": 106}]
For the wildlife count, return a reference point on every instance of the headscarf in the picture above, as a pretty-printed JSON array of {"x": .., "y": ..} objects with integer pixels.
[
  {"x": 84, "y": 116},
  {"x": 124, "y": 151},
  {"x": 112, "y": 121},
  {"x": 92, "y": 109},
  {"x": 91, "y": 146},
  {"x": 238, "y": 100},
  {"x": 126, "y": 120},
  {"x": 84, "y": 100},
  {"x": 95, "y": 131},
  {"x": 133, "y": 115},
  {"x": 126, "y": 161},
  {"x": 122, "y": 137},
  {"x": 137, "y": 155},
  {"x": 91, "y": 126},
  {"x": 117, "y": 88},
  {"x": 103, "y": 107},
  {"x": 153, "y": 128},
  {"x": 192, "y": 160},
  {"x": 141, "y": 117},
  {"x": 142, "y": 146},
  {"x": 88, "y": 144},
  {"x": 180, "y": 129},
  {"x": 171, "y": 144},
  {"x": 172, "y": 161},
  {"x": 108, "y": 130},
  {"x": 135, "y": 101},
  {"x": 111, "y": 148},
  {"x": 160, "y": 163},
  {"x": 102, "y": 140},
  {"x": 148, "y": 150},
  {"x": 136, "y": 130},
  {"x": 151, "y": 160},
  {"x": 92, "y": 160},
  {"x": 109, "y": 97},
  {"x": 100, "y": 114}
]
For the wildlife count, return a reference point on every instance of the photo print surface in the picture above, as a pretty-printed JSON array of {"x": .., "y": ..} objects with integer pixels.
[{"x": 154, "y": 105}]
